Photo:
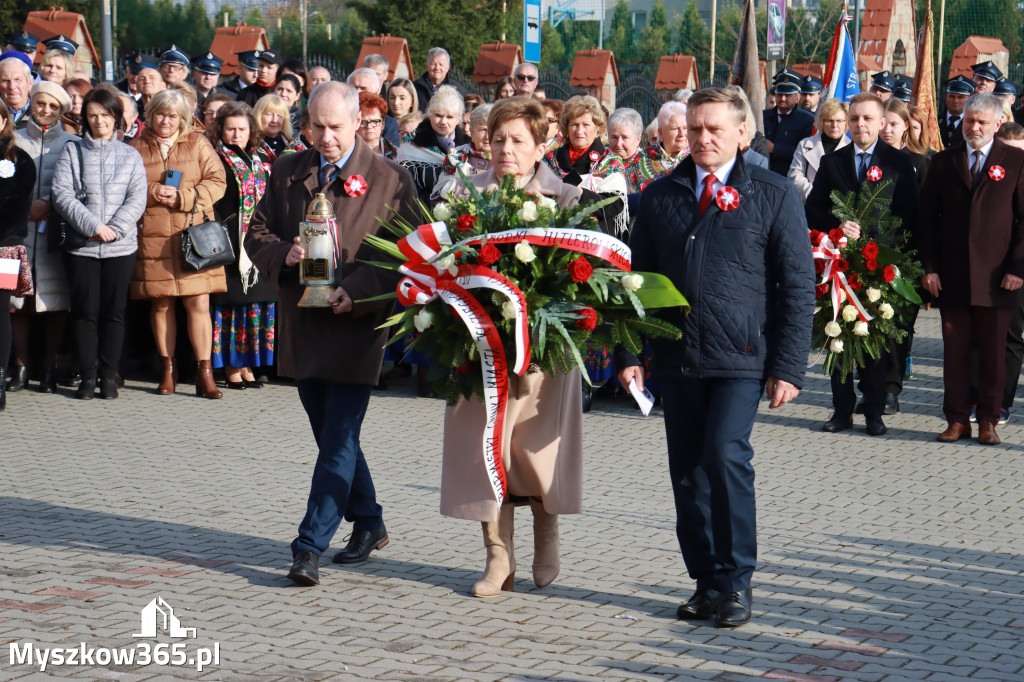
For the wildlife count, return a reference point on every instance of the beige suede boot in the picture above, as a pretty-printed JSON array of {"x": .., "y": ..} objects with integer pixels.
[
  {"x": 545, "y": 544},
  {"x": 500, "y": 569}
]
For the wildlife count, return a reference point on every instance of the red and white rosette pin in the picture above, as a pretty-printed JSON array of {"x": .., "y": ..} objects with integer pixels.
[
  {"x": 727, "y": 198},
  {"x": 355, "y": 186},
  {"x": 594, "y": 156},
  {"x": 874, "y": 174},
  {"x": 997, "y": 173}
]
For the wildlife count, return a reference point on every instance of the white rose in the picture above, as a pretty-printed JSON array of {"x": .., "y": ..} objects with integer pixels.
[
  {"x": 861, "y": 328},
  {"x": 445, "y": 262},
  {"x": 508, "y": 310},
  {"x": 849, "y": 313},
  {"x": 886, "y": 311},
  {"x": 528, "y": 213},
  {"x": 836, "y": 346},
  {"x": 524, "y": 251},
  {"x": 423, "y": 320},
  {"x": 842, "y": 295},
  {"x": 6, "y": 168},
  {"x": 548, "y": 203},
  {"x": 817, "y": 310},
  {"x": 833, "y": 329},
  {"x": 441, "y": 212},
  {"x": 873, "y": 294},
  {"x": 632, "y": 282}
]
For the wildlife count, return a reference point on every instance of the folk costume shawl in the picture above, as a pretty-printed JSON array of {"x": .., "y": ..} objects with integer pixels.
[{"x": 251, "y": 177}]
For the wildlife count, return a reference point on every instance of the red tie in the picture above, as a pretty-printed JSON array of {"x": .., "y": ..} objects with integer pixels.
[{"x": 708, "y": 193}]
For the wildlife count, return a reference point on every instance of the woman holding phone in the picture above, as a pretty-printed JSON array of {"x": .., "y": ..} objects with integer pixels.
[{"x": 185, "y": 179}]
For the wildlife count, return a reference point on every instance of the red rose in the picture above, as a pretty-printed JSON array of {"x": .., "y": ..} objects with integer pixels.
[
  {"x": 889, "y": 273},
  {"x": 853, "y": 277},
  {"x": 588, "y": 322},
  {"x": 580, "y": 269},
  {"x": 856, "y": 285},
  {"x": 489, "y": 254},
  {"x": 835, "y": 235},
  {"x": 870, "y": 250},
  {"x": 819, "y": 265},
  {"x": 816, "y": 237},
  {"x": 820, "y": 290},
  {"x": 466, "y": 222},
  {"x": 464, "y": 368},
  {"x": 872, "y": 264},
  {"x": 842, "y": 265}
]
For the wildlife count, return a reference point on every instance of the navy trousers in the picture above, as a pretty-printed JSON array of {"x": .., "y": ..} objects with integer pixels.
[
  {"x": 708, "y": 425},
  {"x": 342, "y": 486}
]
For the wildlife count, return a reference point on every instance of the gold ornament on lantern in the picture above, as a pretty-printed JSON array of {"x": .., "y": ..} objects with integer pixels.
[{"x": 320, "y": 269}]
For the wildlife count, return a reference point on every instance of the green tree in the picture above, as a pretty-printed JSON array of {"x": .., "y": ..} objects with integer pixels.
[
  {"x": 254, "y": 17},
  {"x": 232, "y": 16},
  {"x": 552, "y": 47},
  {"x": 694, "y": 36},
  {"x": 620, "y": 35},
  {"x": 656, "y": 36},
  {"x": 195, "y": 33}
]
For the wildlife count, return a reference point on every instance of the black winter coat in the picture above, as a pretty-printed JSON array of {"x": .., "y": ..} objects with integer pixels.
[
  {"x": 15, "y": 196},
  {"x": 425, "y": 89},
  {"x": 747, "y": 274},
  {"x": 786, "y": 135}
]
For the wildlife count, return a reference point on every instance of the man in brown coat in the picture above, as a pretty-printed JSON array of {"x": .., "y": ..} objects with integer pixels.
[
  {"x": 335, "y": 355},
  {"x": 971, "y": 236}
]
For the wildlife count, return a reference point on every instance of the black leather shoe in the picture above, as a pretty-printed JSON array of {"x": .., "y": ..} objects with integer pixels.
[
  {"x": 838, "y": 422},
  {"x": 48, "y": 384},
  {"x": 876, "y": 427},
  {"x": 75, "y": 378},
  {"x": 252, "y": 384},
  {"x": 892, "y": 404},
  {"x": 86, "y": 389},
  {"x": 305, "y": 568},
  {"x": 19, "y": 377},
  {"x": 360, "y": 544},
  {"x": 588, "y": 397},
  {"x": 700, "y": 607},
  {"x": 733, "y": 609},
  {"x": 236, "y": 385},
  {"x": 108, "y": 388}
]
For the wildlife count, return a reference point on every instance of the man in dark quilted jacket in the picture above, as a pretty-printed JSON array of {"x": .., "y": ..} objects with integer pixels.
[{"x": 733, "y": 239}]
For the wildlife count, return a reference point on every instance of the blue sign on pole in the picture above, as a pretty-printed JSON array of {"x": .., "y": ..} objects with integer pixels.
[{"x": 531, "y": 31}]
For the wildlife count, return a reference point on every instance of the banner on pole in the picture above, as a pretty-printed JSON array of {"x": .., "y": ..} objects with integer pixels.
[{"x": 776, "y": 42}]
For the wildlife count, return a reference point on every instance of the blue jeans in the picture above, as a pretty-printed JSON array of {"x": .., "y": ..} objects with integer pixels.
[
  {"x": 708, "y": 425},
  {"x": 342, "y": 485}
]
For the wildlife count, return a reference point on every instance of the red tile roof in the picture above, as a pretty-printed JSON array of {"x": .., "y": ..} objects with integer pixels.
[
  {"x": 970, "y": 51},
  {"x": 495, "y": 61},
  {"x": 230, "y": 40},
  {"x": 54, "y": 22},
  {"x": 676, "y": 71},
  {"x": 810, "y": 69},
  {"x": 591, "y": 67},
  {"x": 395, "y": 50},
  {"x": 879, "y": 15}
]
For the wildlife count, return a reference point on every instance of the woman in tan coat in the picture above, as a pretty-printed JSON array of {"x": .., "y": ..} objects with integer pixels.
[
  {"x": 169, "y": 143},
  {"x": 543, "y": 439}
]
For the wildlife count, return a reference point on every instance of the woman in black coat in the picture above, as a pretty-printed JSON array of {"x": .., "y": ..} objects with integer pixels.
[{"x": 17, "y": 178}]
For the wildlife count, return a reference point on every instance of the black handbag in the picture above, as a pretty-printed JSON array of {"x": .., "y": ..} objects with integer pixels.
[
  {"x": 60, "y": 234},
  {"x": 206, "y": 245}
]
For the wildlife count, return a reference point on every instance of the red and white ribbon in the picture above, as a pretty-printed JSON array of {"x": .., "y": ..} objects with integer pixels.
[{"x": 832, "y": 254}]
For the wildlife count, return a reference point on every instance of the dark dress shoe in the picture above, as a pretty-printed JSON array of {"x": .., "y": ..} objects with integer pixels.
[
  {"x": 252, "y": 384},
  {"x": 75, "y": 378},
  {"x": 236, "y": 385},
  {"x": 987, "y": 433},
  {"x": 892, "y": 404},
  {"x": 955, "y": 432},
  {"x": 19, "y": 377},
  {"x": 838, "y": 422},
  {"x": 108, "y": 388},
  {"x": 360, "y": 544},
  {"x": 305, "y": 568},
  {"x": 733, "y": 609},
  {"x": 48, "y": 384},
  {"x": 700, "y": 607},
  {"x": 86, "y": 389},
  {"x": 588, "y": 397},
  {"x": 876, "y": 427}
]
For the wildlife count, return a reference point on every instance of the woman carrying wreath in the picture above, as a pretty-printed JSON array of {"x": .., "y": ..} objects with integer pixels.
[{"x": 543, "y": 431}]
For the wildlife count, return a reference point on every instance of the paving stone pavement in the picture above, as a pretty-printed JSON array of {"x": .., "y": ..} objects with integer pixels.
[{"x": 893, "y": 558}]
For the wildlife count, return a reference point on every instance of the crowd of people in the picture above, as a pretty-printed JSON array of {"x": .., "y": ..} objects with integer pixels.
[{"x": 101, "y": 182}]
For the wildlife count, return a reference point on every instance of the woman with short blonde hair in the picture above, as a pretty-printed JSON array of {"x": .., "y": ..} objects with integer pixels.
[
  {"x": 171, "y": 102},
  {"x": 832, "y": 124},
  {"x": 56, "y": 66},
  {"x": 582, "y": 123},
  {"x": 275, "y": 124}
]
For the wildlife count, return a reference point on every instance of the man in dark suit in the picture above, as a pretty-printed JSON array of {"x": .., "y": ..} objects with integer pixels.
[
  {"x": 951, "y": 120},
  {"x": 248, "y": 70},
  {"x": 846, "y": 170},
  {"x": 971, "y": 236},
  {"x": 733, "y": 240},
  {"x": 268, "y": 64},
  {"x": 786, "y": 124},
  {"x": 334, "y": 358}
]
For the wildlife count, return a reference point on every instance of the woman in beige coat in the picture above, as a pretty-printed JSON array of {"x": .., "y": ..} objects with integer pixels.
[
  {"x": 543, "y": 439},
  {"x": 832, "y": 125},
  {"x": 169, "y": 143}
]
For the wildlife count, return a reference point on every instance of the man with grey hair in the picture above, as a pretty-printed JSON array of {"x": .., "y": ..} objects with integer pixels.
[
  {"x": 318, "y": 75},
  {"x": 381, "y": 66},
  {"x": 971, "y": 239},
  {"x": 439, "y": 63},
  {"x": 334, "y": 358},
  {"x": 524, "y": 79},
  {"x": 15, "y": 82},
  {"x": 365, "y": 79}
]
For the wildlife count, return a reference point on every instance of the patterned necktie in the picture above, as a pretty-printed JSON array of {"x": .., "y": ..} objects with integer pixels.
[
  {"x": 976, "y": 168},
  {"x": 862, "y": 167},
  {"x": 709, "y": 191},
  {"x": 326, "y": 173}
]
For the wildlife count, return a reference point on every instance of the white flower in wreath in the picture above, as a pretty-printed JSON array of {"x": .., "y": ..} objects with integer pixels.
[
  {"x": 423, "y": 320},
  {"x": 873, "y": 294},
  {"x": 632, "y": 282},
  {"x": 836, "y": 346},
  {"x": 508, "y": 310},
  {"x": 861, "y": 328},
  {"x": 842, "y": 295},
  {"x": 886, "y": 311},
  {"x": 849, "y": 313},
  {"x": 833, "y": 329},
  {"x": 524, "y": 251},
  {"x": 548, "y": 203},
  {"x": 442, "y": 212},
  {"x": 6, "y": 168},
  {"x": 528, "y": 213}
]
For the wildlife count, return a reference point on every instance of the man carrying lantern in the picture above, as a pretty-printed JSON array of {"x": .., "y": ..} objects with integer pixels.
[{"x": 733, "y": 240}]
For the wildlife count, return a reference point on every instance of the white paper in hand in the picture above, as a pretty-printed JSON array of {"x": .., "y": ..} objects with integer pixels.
[{"x": 643, "y": 398}]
